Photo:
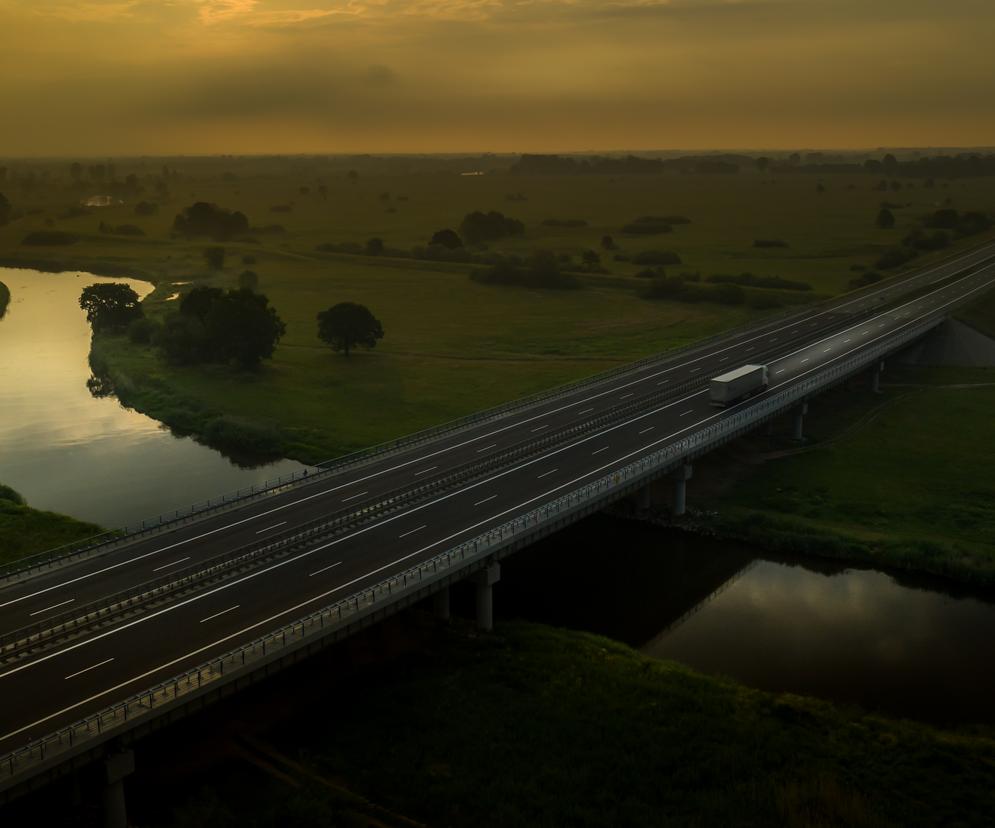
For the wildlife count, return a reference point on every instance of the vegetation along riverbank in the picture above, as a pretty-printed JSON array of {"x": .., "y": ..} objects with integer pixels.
[{"x": 26, "y": 531}]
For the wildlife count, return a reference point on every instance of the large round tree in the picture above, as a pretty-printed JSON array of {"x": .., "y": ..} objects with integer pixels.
[{"x": 347, "y": 325}]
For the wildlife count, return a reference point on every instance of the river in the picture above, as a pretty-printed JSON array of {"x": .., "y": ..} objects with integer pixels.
[
  {"x": 900, "y": 645},
  {"x": 70, "y": 452},
  {"x": 896, "y": 644}
]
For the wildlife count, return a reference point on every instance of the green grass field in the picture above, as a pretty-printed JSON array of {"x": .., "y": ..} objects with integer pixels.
[
  {"x": 537, "y": 726},
  {"x": 902, "y": 478},
  {"x": 451, "y": 346},
  {"x": 26, "y": 531}
]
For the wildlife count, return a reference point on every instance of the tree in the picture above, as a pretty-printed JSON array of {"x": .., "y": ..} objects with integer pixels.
[
  {"x": 763, "y": 162},
  {"x": 608, "y": 243},
  {"x": 885, "y": 219},
  {"x": 5, "y": 210},
  {"x": 76, "y": 170},
  {"x": 374, "y": 247},
  {"x": 111, "y": 306},
  {"x": 478, "y": 227},
  {"x": 203, "y": 219},
  {"x": 590, "y": 258},
  {"x": 248, "y": 280},
  {"x": 447, "y": 238},
  {"x": 242, "y": 328},
  {"x": 215, "y": 257},
  {"x": 347, "y": 325},
  {"x": 889, "y": 162}
]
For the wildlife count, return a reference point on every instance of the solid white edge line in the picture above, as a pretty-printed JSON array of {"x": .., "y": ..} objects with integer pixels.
[{"x": 378, "y": 569}]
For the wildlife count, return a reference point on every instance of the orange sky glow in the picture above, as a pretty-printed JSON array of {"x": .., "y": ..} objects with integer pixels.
[{"x": 133, "y": 77}]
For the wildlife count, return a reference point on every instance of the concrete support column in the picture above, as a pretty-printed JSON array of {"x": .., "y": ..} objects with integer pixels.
[
  {"x": 440, "y": 603},
  {"x": 484, "y": 581},
  {"x": 876, "y": 377},
  {"x": 116, "y": 767},
  {"x": 798, "y": 424},
  {"x": 681, "y": 478},
  {"x": 643, "y": 499}
]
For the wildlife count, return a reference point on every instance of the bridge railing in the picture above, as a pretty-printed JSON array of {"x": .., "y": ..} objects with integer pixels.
[
  {"x": 727, "y": 424},
  {"x": 862, "y": 300}
]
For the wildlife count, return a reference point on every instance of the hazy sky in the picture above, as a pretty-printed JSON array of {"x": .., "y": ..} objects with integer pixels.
[{"x": 249, "y": 76}]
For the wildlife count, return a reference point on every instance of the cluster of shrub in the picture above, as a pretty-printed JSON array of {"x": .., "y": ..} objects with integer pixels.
[
  {"x": 540, "y": 270},
  {"x": 653, "y": 225},
  {"x": 121, "y": 229},
  {"x": 204, "y": 219},
  {"x": 947, "y": 224}
]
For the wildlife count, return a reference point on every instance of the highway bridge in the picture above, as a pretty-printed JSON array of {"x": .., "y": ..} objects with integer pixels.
[{"x": 102, "y": 643}]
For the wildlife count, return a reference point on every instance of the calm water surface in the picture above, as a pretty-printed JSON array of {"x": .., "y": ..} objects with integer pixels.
[
  {"x": 902, "y": 646},
  {"x": 91, "y": 458}
]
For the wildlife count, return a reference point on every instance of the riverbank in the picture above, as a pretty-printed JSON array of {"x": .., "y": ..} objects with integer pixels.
[
  {"x": 539, "y": 726},
  {"x": 26, "y": 531}
]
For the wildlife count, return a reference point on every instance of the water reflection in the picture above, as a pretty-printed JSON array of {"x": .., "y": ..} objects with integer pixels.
[
  {"x": 908, "y": 647},
  {"x": 67, "y": 445}
]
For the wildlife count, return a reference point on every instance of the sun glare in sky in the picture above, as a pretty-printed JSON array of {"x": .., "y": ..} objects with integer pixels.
[{"x": 250, "y": 76}]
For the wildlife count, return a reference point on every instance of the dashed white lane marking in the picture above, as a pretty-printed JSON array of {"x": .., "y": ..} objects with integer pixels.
[
  {"x": 425, "y": 471},
  {"x": 598, "y": 451},
  {"x": 664, "y": 382},
  {"x": 316, "y": 598},
  {"x": 487, "y": 448},
  {"x": 54, "y": 606},
  {"x": 412, "y": 531},
  {"x": 805, "y": 360},
  {"x": 324, "y": 569},
  {"x": 723, "y": 359},
  {"x": 547, "y": 474},
  {"x": 684, "y": 414},
  {"x": 780, "y": 371},
  {"x": 586, "y": 410},
  {"x": 485, "y": 500},
  {"x": 625, "y": 396},
  {"x": 353, "y": 497},
  {"x": 539, "y": 428},
  {"x": 271, "y": 528},
  {"x": 174, "y": 563},
  {"x": 647, "y": 429},
  {"x": 219, "y": 614},
  {"x": 88, "y": 669}
]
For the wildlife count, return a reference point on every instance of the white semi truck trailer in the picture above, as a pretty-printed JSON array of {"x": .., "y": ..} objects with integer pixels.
[{"x": 737, "y": 385}]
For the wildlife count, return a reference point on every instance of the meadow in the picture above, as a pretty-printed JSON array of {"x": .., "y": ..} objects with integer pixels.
[
  {"x": 452, "y": 345},
  {"x": 885, "y": 479},
  {"x": 538, "y": 726}
]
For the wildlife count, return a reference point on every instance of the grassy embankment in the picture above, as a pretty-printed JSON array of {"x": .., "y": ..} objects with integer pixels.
[
  {"x": 26, "y": 531},
  {"x": 902, "y": 480},
  {"x": 537, "y": 726},
  {"x": 4, "y": 299},
  {"x": 452, "y": 346}
]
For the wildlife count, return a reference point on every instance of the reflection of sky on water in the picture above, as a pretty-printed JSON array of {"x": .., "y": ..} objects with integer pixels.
[
  {"x": 66, "y": 451},
  {"x": 857, "y": 636}
]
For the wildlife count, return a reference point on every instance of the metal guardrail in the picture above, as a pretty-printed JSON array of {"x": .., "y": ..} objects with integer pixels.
[
  {"x": 728, "y": 425},
  {"x": 168, "y": 521}
]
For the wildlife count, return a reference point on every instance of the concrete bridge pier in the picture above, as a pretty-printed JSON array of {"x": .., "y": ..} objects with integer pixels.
[
  {"x": 798, "y": 422},
  {"x": 440, "y": 604},
  {"x": 117, "y": 766},
  {"x": 484, "y": 581},
  {"x": 681, "y": 478},
  {"x": 876, "y": 377}
]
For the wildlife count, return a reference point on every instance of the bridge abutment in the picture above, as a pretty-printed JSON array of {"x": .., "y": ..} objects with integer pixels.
[
  {"x": 798, "y": 422},
  {"x": 117, "y": 767},
  {"x": 681, "y": 477},
  {"x": 484, "y": 580}
]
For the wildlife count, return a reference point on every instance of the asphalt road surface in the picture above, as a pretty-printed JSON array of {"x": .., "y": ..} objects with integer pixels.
[{"x": 51, "y": 689}]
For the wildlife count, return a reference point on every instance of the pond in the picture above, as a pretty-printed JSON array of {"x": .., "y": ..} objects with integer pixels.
[
  {"x": 897, "y": 644},
  {"x": 69, "y": 452}
]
